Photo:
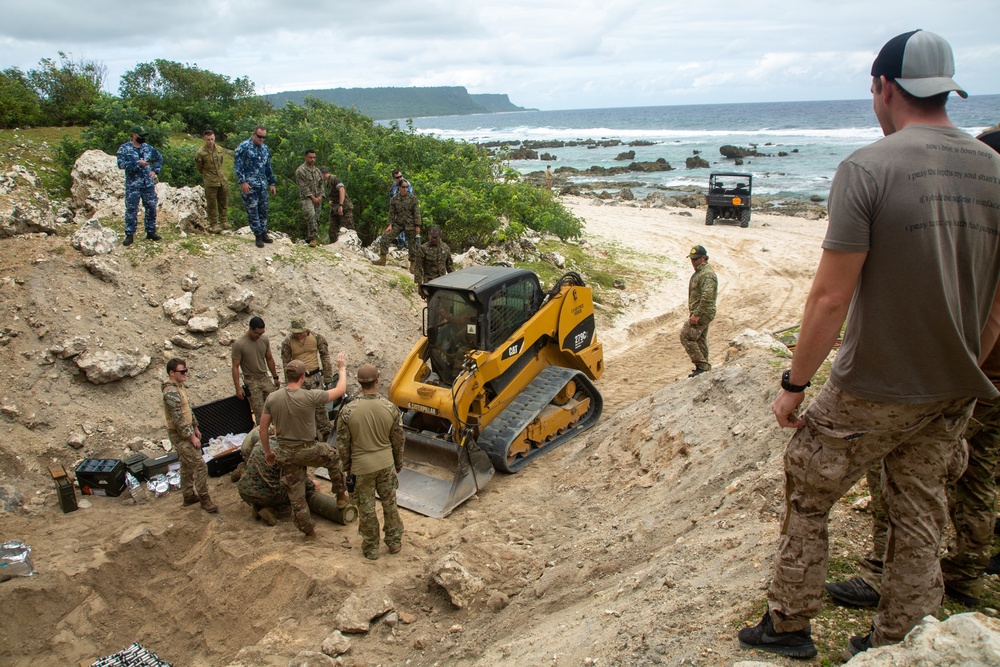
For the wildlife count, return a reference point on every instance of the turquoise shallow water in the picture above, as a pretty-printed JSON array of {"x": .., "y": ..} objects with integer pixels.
[{"x": 822, "y": 133}]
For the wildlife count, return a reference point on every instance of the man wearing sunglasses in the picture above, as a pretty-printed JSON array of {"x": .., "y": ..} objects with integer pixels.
[
  {"x": 182, "y": 429},
  {"x": 252, "y": 163}
]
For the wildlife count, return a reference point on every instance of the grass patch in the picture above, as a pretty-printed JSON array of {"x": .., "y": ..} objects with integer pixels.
[{"x": 35, "y": 149}]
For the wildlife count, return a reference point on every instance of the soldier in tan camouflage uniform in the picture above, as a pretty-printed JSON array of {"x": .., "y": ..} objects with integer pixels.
[
  {"x": 433, "y": 259},
  {"x": 252, "y": 356},
  {"x": 208, "y": 162},
  {"x": 904, "y": 382},
  {"x": 371, "y": 439},
  {"x": 309, "y": 180},
  {"x": 292, "y": 411},
  {"x": 404, "y": 215},
  {"x": 702, "y": 292},
  {"x": 182, "y": 429},
  {"x": 313, "y": 351},
  {"x": 341, "y": 208}
]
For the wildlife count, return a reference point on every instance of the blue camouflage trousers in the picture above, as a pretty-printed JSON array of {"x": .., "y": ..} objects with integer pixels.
[
  {"x": 132, "y": 197},
  {"x": 256, "y": 207}
]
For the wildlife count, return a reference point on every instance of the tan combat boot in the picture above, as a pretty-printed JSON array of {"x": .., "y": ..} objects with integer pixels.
[
  {"x": 208, "y": 505},
  {"x": 343, "y": 500},
  {"x": 190, "y": 499},
  {"x": 313, "y": 243},
  {"x": 238, "y": 473},
  {"x": 380, "y": 261},
  {"x": 268, "y": 516}
]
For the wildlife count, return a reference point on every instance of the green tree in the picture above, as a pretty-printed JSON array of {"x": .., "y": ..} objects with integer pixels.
[
  {"x": 68, "y": 90},
  {"x": 198, "y": 99},
  {"x": 461, "y": 187},
  {"x": 19, "y": 103}
]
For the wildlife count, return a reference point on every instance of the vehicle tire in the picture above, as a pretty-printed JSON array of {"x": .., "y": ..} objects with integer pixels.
[
  {"x": 710, "y": 216},
  {"x": 745, "y": 218}
]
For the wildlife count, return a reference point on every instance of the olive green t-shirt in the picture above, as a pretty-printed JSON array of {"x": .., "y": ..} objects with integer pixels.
[
  {"x": 252, "y": 354},
  {"x": 293, "y": 413}
]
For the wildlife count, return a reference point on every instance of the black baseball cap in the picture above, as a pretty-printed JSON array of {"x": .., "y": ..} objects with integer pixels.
[{"x": 920, "y": 62}]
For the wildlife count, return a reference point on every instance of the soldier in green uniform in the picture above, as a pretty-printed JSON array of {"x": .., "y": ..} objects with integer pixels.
[
  {"x": 702, "y": 292},
  {"x": 371, "y": 440},
  {"x": 292, "y": 410},
  {"x": 341, "y": 208},
  {"x": 182, "y": 429},
  {"x": 313, "y": 351},
  {"x": 309, "y": 181},
  {"x": 433, "y": 258},
  {"x": 252, "y": 355},
  {"x": 404, "y": 215},
  {"x": 208, "y": 162}
]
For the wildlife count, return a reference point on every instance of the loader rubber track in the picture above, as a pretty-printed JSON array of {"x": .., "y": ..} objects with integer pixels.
[{"x": 498, "y": 436}]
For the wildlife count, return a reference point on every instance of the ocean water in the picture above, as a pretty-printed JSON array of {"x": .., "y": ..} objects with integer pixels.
[{"x": 821, "y": 133}]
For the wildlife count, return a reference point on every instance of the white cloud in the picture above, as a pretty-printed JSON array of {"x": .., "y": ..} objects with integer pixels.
[{"x": 552, "y": 54}]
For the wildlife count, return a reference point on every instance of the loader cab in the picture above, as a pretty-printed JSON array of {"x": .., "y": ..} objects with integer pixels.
[{"x": 475, "y": 309}]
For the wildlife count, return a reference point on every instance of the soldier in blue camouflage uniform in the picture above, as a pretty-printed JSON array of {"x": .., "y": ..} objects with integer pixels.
[
  {"x": 702, "y": 292},
  {"x": 433, "y": 259},
  {"x": 141, "y": 163},
  {"x": 370, "y": 435},
  {"x": 182, "y": 429},
  {"x": 252, "y": 164},
  {"x": 404, "y": 215}
]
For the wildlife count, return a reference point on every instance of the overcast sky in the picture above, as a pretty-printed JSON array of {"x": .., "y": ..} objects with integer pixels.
[{"x": 546, "y": 54}]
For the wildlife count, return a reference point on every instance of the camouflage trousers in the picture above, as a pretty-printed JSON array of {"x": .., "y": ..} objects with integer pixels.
[
  {"x": 310, "y": 216},
  {"x": 389, "y": 237},
  {"x": 132, "y": 197},
  {"x": 323, "y": 427},
  {"x": 194, "y": 472},
  {"x": 293, "y": 462},
  {"x": 971, "y": 503},
  {"x": 260, "y": 386},
  {"x": 217, "y": 203},
  {"x": 694, "y": 338},
  {"x": 385, "y": 483},
  {"x": 843, "y": 436},
  {"x": 346, "y": 220},
  {"x": 256, "y": 203}
]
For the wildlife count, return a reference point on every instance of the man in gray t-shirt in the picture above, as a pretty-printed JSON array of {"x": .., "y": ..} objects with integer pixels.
[{"x": 911, "y": 260}]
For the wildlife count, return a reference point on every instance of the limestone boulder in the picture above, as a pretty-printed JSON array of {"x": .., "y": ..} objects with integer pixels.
[
  {"x": 358, "y": 611},
  {"x": 458, "y": 582},
  {"x": 104, "y": 366},
  {"x": 24, "y": 208},
  {"x": 98, "y": 186},
  {"x": 203, "y": 324},
  {"x": 237, "y": 298},
  {"x": 962, "y": 639},
  {"x": 179, "y": 310},
  {"x": 92, "y": 239},
  {"x": 104, "y": 268}
]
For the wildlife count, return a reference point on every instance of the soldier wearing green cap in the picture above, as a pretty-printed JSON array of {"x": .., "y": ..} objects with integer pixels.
[
  {"x": 371, "y": 438},
  {"x": 313, "y": 351},
  {"x": 702, "y": 293}
]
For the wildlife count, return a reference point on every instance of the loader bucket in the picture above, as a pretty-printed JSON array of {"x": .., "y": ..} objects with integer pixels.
[{"x": 438, "y": 475}]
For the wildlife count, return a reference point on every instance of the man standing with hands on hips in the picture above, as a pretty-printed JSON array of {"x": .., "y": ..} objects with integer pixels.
[{"x": 913, "y": 269}]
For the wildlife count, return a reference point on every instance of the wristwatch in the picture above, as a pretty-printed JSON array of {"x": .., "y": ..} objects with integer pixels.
[{"x": 788, "y": 386}]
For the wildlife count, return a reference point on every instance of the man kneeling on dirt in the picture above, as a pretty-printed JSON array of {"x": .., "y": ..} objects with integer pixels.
[
  {"x": 292, "y": 410},
  {"x": 260, "y": 485}
]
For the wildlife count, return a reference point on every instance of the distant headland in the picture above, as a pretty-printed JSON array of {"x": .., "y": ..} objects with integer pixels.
[{"x": 387, "y": 103}]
